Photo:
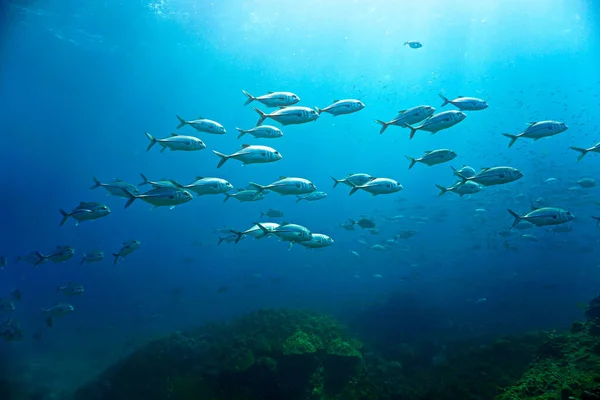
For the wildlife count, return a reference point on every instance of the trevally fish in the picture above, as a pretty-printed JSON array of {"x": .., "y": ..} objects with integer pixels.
[
  {"x": 353, "y": 180},
  {"x": 494, "y": 176},
  {"x": 289, "y": 115},
  {"x": 60, "y": 254},
  {"x": 272, "y": 213},
  {"x": 256, "y": 231},
  {"x": 162, "y": 197},
  {"x": 460, "y": 188},
  {"x": 262, "y": 132},
  {"x": 465, "y": 103},
  {"x": 538, "y": 130},
  {"x": 582, "y": 152},
  {"x": 85, "y": 212},
  {"x": 413, "y": 44},
  {"x": 156, "y": 184},
  {"x": 438, "y": 122},
  {"x": 340, "y": 107},
  {"x": 203, "y": 186},
  {"x": 379, "y": 186},
  {"x": 245, "y": 195},
  {"x": 288, "y": 232},
  {"x": 273, "y": 99},
  {"x": 92, "y": 256},
  {"x": 203, "y": 125},
  {"x": 318, "y": 241},
  {"x": 116, "y": 187},
  {"x": 176, "y": 143},
  {"x": 314, "y": 196},
  {"x": 57, "y": 310},
  {"x": 544, "y": 216},
  {"x": 127, "y": 248},
  {"x": 287, "y": 186},
  {"x": 251, "y": 154},
  {"x": 71, "y": 289},
  {"x": 464, "y": 172},
  {"x": 433, "y": 157},
  {"x": 410, "y": 116}
]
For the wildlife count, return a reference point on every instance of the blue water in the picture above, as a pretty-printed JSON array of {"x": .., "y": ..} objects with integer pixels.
[{"x": 80, "y": 84}]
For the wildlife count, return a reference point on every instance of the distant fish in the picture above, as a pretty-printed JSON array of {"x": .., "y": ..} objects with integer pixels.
[
  {"x": 272, "y": 213},
  {"x": 460, "y": 188},
  {"x": 245, "y": 195},
  {"x": 273, "y": 99},
  {"x": 586, "y": 182},
  {"x": 71, "y": 289},
  {"x": 59, "y": 255},
  {"x": 314, "y": 196},
  {"x": 413, "y": 44},
  {"x": 433, "y": 157},
  {"x": 379, "y": 186},
  {"x": 57, "y": 310},
  {"x": 85, "y": 212},
  {"x": 161, "y": 183},
  {"x": 353, "y": 180},
  {"x": 127, "y": 248},
  {"x": 289, "y": 115},
  {"x": 203, "y": 125},
  {"x": 544, "y": 216},
  {"x": 538, "y": 130},
  {"x": 410, "y": 116},
  {"x": 340, "y": 107},
  {"x": 207, "y": 186},
  {"x": 287, "y": 186},
  {"x": 465, "y": 103},
  {"x": 32, "y": 258},
  {"x": 91, "y": 257},
  {"x": 438, "y": 122},
  {"x": 116, "y": 187},
  {"x": 364, "y": 223},
  {"x": 261, "y": 132}
]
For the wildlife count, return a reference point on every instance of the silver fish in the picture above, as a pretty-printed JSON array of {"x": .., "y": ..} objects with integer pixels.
[
  {"x": 85, "y": 212},
  {"x": 127, "y": 248},
  {"x": 340, "y": 107},
  {"x": 466, "y": 103},
  {"x": 116, "y": 187},
  {"x": 410, "y": 116},
  {"x": 273, "y": 99},
  {"x": 251, "y": 154},
  {"x": 203, "y": 125},
  {"x": 289, "y": 115},
  {"x": 538, "y": 130},
  {"x": 176, "y": 143},
  {"x": 438, "y": 122}
]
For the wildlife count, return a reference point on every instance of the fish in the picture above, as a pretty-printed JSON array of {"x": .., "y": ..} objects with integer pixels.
[
  {"x": 176, "y": 143},
  {"x": 273, "y": 99},
  {"x": 544, "y": 216},
  {"x": 433, "y": 157},
  {"x": 292, "y": 233},
  {"x": 261, "y": 132},
  {"x": 410, "y": 116},
  {"x": 529, "y": 237},
  {"x": 597, "y": 221},
  {"x": 378, "y": 247},
  {"x": 251, "y": 154},
  {"x": 465, "y": 171},
  {"x": 365, "y": 223},
  {"x": 206, "y": 186},
  {"x": 287, "y": 186},
  {"x": 378, "y": 186},
  {"x": 460, "y": 188},
  {"x": 582, "y": 151},
  {"x": 245, "y": 195},
  {"x": 272, "y": 213},
  {"x": 59, "y": 255},
  {"x": 353, "y": 180},
  {"x": 32, "y": 258},
  {"x": 162, "y": 197},
  {"x": 494, "y": 176},
  {"x": 318, "y": 241},
  {"x": 156, "y": 184},
  {"x": 586, "y": 182},
  {"x": 85, "y": 212},
  {"x": 71, "y": 289},
  {"x": 314, "y": 196},
  {"x": 349, "y": 225},
  {"x": 465, "y": 103},
  {"x": 438, "y": 122},
  {"x": 6, "y": 306},
  {"x": 127, "y": 248},
  {"x": 92, "y": 256},
  {"x": 229, "y": 238},
  {"x": 405, "y": 234},
  {"x": 116, "y": 187},
  {"x": 538, "y": 130},
  {"x": 57, "y": 310},
  {"x": 340, "y": 107},
  {"x": 289, "y": 115},
  {"x": 203, "y": 125},
  {"x": 3, "y": 262},
  {"x": 413, "y": 45},
  {"x": 256, "y": 231}
]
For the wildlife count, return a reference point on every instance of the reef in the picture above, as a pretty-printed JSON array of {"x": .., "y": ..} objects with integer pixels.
[{"x": 269, "y": 354}]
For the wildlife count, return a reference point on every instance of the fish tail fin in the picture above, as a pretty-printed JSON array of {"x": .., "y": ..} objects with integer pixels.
[
  {"x": 262, "y": 214},
  {"x": 96, "y": 184},
  {"x": 413, "y": 161},
  {"x": 144, "y": 181},
  {"x": 238, "y": 236},
  {"x": 259, "y": 188},
  {"x": 182, "y": 122},
  {"x": 50, "y": 322},
  {"x": 384, "y": 125},
  {"x": 131, "y": 197},
  {"x": 582, "y": 152},
  {"x": 242, "y": 132},
  {"x": 152, "y": 139},
  {"x": 516, "y": 216},
  {"x": 220, "y": 240},
  {"x": 82, "y": 259},
  {"x": 262, "y": 118},
  {"x": 443, "y": 190},
  {"x": 116, "y": 256},
  {"x": 413, "y": 130},
  {"x": 513, "y": 138},
  {"x": 318, "y": 110},
  {"x": 354, "y": 188},
  {"x": 598, "y": 221},
  {"x": 223, "y": 158},
  {"x": 262, "y": 228},
  {"x": 299, "y": 199},
  {"x": 446, "y": 101},
  {"x": 227, "y": 196},
  {"x": 65, "y": 216},
  {"x": 40, "y": 259},
  {"x": 249, "y": 99},
  {"x": 335, "y": 181},
  {"x": 353, "y": 222}
]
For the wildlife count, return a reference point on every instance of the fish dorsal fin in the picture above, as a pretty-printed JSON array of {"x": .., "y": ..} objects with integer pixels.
[
  {"x": 201, "y": 117},
  {"x": 282, "y": 107},
  {"x": 199, "y": 177},
  {"x": 118, "y": 180},
  {"x": 245, "y": 146},
  {"x": 401, "y": 111},
  {"x": 428, "y": 151},
  {"x": 240, "y": 189},
  {"x": 174, "y": 134},
  {"x": 81, "y": 203},
  {"x": 484, "y": 169},
  {"x": 460, "y": 96},
  {"x": 532, "y": 123},
  {"x": 284, "y": 223},
  {"x": 335, "y": 101},
  {"x": 282, "y": 177},
  {"x": 271, "y": 92}
]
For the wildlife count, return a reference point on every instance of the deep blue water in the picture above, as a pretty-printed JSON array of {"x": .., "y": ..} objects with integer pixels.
[{"x": 80, "y": 84}]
